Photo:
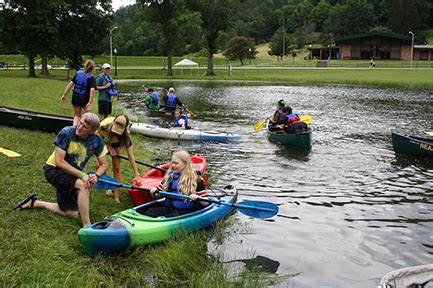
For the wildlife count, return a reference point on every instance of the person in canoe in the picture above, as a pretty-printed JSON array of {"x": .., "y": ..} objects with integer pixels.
[
  {"x": 171, "y": 100},
  {"x": 84, "y": 90},
  {"x": 181, "y": 121},
  {"x": 277, "y": 117},
  {"x": 291, "y": 123},
  {"x": 181, "y": 178},
  {"x": 116, "y": 134},
  {"x": 75, "y": 145},
  {"x": 151, "y": 100},
  {"x": 106, "y": 87}
]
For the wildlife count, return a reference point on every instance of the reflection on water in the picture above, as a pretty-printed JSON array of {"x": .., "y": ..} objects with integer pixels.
[{"x": 351, "y": 210}]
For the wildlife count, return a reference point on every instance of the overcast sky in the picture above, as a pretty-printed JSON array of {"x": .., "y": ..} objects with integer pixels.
[{"x": 118, "y": 3}]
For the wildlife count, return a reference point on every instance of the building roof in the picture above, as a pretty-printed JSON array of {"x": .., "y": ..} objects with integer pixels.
[{"x": 373, "y": 33}]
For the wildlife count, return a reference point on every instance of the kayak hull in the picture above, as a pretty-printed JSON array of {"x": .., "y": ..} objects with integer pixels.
[
  {"x": 33, "y": 120},
  {"x": 131, "y": 228},
  {"x": 411, "y": 145},
  {"x": 153, "y": 178},
  {"x": 179, "y": 134}
]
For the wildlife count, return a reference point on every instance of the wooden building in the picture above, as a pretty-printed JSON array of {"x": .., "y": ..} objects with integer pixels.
[{"x": 373, "y": 45}]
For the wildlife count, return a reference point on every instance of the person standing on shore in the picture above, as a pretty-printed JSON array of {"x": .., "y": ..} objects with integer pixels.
[
  {"x": 84, "y": 90},
  {"x": 115, "y": 133},
  {"x": 106, "y": 87}
]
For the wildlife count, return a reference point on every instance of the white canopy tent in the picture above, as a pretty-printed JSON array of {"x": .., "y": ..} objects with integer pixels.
[{"x": 186, "y": 63}]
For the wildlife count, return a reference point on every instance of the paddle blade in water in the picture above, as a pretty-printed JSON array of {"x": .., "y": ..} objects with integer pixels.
[
  {"x": 257, "y": 209},
  {"x": 307, "y": 119},
  {"x": 429, "y": 133}
]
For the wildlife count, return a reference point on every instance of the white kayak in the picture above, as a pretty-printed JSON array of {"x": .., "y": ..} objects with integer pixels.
[{"x": 179, "y": 134}]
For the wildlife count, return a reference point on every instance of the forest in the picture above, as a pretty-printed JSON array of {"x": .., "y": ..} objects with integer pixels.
[
  {"x": 302, "y": 21},
  {"x": 69, "y": 29}
]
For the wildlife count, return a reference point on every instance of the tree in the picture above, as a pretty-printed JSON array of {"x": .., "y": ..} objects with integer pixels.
[
  {"x": 66, "y": 28},
  {"x": 172, "y": 18},
  {"x": 241, "y": 48},
  {"x": 280, "y": 44},
  {"x": 403, "y": 9},
  {"x": 355, "y": 16},
  {"x": 214, "y": 15}
]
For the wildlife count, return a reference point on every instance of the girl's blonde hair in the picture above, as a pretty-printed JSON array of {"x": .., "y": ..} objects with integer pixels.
[
  {"x": 188, "y": 178},
  {"x": 89, "y": 66}
]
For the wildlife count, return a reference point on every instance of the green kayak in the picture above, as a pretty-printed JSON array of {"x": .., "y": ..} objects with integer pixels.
[{"x": 131, "y": 228}]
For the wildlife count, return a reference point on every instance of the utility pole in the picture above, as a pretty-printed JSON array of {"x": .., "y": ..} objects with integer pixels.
[{"x": 284, "y": 40}]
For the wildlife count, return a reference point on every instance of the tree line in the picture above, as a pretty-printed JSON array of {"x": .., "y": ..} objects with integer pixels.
[{"x": 71, "y": 28}]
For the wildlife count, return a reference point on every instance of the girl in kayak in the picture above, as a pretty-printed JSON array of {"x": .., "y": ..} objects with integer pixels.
[
  {"x": 181, "y": 178},
  {"x": 277, "y": 117},
  {"x": 116, "y": 135}
]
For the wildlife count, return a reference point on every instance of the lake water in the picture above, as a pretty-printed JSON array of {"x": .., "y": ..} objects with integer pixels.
[{"x": 350, "y": 210}]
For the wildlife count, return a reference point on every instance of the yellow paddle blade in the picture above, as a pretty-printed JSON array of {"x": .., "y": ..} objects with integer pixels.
[
  {"x": 307, "y": 119},
  {"x": 259, "y": 125},
  {"x": 429, "y": 133},
  {"x": 9, "y": 153}
]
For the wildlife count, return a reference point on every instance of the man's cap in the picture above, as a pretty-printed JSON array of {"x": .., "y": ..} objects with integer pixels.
[
  {"x": 119, "y": 125},
  {"x": 105, "y": 66},
  {"x": 281, "y": 102},
  {"x": 171, "y": 89}
]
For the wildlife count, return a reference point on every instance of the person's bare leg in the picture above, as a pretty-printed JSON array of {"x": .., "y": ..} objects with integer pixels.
[
  {"x": 77, "y": 115},
  {"x": 53, "y": 207},
  {"x": 83, "y": 202},
  {"x": 117, "y": 176}
]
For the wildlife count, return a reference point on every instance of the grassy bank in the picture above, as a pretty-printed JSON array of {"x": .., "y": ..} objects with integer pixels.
[
  {"x": 398, "y": 78},
  {"x": 40, "y": 248}
]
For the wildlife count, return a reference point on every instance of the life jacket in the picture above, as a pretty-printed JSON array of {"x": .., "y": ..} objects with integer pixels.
[
  {"x": 182, "y": 116},
  {"x": 112, "y": 89},
  {"x": 103, "y": 130},
  {"x": 171, "y": 102},
  {"x": 154, "y": 98},
  {"x": 81, "y": 78},
  {"x": 279, "y": 116},
  {"x": 173, "y": 186},
  {"x": 292, "y": 119}
]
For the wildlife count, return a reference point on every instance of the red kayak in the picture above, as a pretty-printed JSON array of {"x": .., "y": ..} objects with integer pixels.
[{"x": 153, "y": 178}]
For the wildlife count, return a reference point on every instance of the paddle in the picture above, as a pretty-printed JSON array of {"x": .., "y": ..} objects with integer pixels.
[
  {"x": 142, "y": 163},
  {"x": 307, "y": 119},
  {"x": 429, "y": 133},
  {"x": 256, "y": 209},
  {"x": 192, "y": 114},
  {"x": 9, "y": 153}
]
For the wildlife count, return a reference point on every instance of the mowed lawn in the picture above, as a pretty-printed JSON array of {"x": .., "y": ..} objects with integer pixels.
[{"x": 40, "y": 248}]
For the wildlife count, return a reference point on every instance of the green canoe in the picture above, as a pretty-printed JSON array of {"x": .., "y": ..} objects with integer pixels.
[
  {"x": 302, "y": 141},
  {"x": 411, "y": 145}
]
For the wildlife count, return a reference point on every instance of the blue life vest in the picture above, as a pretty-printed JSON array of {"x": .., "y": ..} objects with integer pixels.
[
  {"x": 154, "y": 98},
  {"x": 171, "y": 102},
  {"x": 173, "y": 186},
  {"x": 182, "y": 116},
  {"x": 81, "y": 78},
  {"x": 112, "y": 91}
]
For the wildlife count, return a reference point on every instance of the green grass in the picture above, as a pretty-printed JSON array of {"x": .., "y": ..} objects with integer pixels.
[
  {"x": 377, "y": 77},
  {"x": 40, "y": 248}
]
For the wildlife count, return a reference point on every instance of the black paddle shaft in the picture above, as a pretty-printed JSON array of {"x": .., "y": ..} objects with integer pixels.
[{"x": 142, "y": 163}]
